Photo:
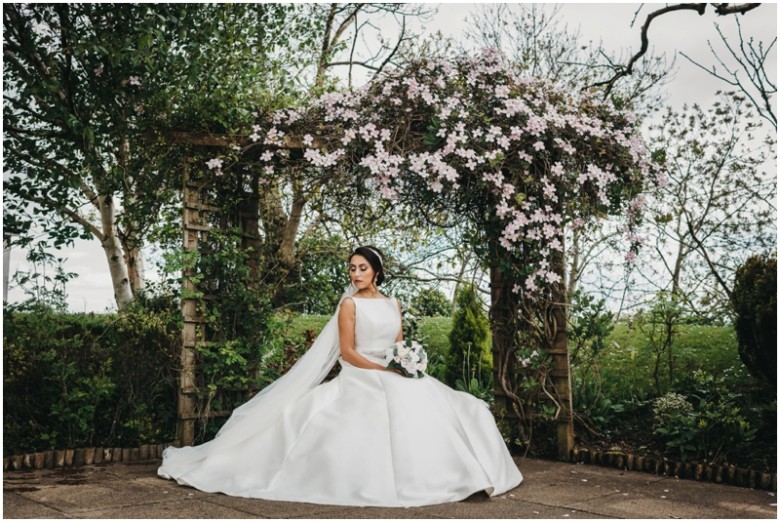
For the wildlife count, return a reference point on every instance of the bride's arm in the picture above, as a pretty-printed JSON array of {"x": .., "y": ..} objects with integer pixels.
[
  {"x": 347, "y": 338},
  {"x": 400, "y": 336}
]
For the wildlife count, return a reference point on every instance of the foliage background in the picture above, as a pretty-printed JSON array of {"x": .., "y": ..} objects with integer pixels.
[{"x": 75, "y": 380}]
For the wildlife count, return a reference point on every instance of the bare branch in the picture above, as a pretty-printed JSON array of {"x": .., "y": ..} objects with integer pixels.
[
  {"x": 752, "y": 63},
  {"x": 328, "y": 41},
  {"x": 352, "y": 55},
  {"x": 713, "y": 269},
  {"x": 727, "y": 9},
  {"x": 629, "y": 68},
  {"x": 401, "y": 39},
  {"x": 621, "y": 71},
  {"x": 351, "y": 63}
]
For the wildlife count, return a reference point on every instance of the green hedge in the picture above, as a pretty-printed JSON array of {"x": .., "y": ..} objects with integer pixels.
[{"x": 80, "y": 380}]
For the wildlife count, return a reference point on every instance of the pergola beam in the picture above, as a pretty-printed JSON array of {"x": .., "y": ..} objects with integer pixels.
[{"x": 243, "y": 141}]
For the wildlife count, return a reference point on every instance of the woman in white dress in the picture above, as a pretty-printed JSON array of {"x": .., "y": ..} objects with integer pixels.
[{"x": 369, "y": 437}]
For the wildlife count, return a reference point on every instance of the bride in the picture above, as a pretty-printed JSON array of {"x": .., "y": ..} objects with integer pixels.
[{"x": 369, "y": 437}]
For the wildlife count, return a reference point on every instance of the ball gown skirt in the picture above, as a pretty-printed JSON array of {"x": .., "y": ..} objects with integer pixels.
[{"x": 365, "y": 438}]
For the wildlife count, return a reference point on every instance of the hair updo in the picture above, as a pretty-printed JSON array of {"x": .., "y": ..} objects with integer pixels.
[{"x": 375, "y": 258}]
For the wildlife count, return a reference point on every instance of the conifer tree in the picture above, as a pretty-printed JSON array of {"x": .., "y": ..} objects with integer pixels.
[
  {"x": 469, "y": 354},
  {"x": 755, "y": 302}
]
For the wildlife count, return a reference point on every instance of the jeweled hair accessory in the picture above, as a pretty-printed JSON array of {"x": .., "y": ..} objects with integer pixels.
[{"x": 381, "y": 263}]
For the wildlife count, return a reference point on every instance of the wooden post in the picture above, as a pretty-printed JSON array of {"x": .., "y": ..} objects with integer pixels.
[
  {"x": 559, "y": 350},
  {"x": 193, "y": 331},
  {"x": 503, "y": 353}
]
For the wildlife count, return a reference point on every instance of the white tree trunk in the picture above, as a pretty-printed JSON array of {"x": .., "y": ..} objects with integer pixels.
[
  {"x": 136, "y": 270},
  {"x": 117, "y": 265}
]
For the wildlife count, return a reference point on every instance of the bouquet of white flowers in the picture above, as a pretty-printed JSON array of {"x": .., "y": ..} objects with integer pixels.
[{"x": 407, "y": 356}]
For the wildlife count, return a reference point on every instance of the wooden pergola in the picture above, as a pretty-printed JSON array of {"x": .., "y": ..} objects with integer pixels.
[{"x": 197, "y": 205}]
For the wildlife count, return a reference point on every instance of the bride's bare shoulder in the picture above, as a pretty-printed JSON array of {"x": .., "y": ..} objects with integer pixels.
[{"x": 347, "y": 306}]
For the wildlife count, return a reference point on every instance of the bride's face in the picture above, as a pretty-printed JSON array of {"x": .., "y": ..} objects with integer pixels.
[{"x": 360, "y": 272}]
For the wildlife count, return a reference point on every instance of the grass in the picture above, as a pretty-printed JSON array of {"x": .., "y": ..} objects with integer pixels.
[
  {"x": 302, "y": 323},
  {"x": 624, "y": 380},
  {"x": 627, "y": 361},
  {"x": 433, "y": 329}
]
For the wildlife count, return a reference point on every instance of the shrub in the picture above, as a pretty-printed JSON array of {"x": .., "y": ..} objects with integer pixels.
[
  {"x": 755, "y": 303},
  {"x": 431, "y": 302},
  {"x": 589, "y": 326},
  {"x": 668, "y": 408},
  {"x": 469, "y": 355},
  {"x": 708, "y": 425},
  {"x": 723, "y": 418},
  {"x": 675, "y": 424},
  {"x": 74, "y": 380}
]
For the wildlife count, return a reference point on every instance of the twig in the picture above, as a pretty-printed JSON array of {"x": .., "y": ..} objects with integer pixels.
[{"x": 620, "y": 71}]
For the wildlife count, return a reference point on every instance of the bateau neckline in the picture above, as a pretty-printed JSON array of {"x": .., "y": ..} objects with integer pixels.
[{"x": 372, "y": 298}]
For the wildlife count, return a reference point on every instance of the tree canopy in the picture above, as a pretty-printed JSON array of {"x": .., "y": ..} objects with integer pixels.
[{"x": 89, "y": 87}]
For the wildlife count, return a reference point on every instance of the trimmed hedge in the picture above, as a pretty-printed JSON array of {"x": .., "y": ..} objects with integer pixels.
[{"x": 78, "y": 380}]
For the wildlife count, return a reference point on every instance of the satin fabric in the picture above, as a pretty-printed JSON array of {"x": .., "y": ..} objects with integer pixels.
[{"x": 365, "y": 438}]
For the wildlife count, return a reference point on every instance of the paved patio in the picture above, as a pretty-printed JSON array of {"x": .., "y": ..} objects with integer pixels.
[{"x": 550, "y": 490}]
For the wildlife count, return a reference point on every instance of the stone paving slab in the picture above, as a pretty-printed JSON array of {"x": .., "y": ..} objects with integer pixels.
[
  {"x": 272, "y": 508},
  {"x": 16, "y": 506},
  {"x": 550, "y": 490}
]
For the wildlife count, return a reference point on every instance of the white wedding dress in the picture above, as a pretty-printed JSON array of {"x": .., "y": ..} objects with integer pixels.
[{"x": 365, "y": 438}]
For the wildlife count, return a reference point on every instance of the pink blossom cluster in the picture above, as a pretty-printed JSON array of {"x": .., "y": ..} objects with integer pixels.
[
  {"x": 320, "y": 159},
  {"x": 339, "y": 106},
  {"x": 386, "y": 168},
  {"x": 274, "y": 137},
  {"x": 215, "y": 164},
  {"x": 527, "y": 145}
]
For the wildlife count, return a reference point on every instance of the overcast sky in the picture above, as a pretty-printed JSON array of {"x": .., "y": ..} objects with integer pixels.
[{"x": 610, "y": 24}]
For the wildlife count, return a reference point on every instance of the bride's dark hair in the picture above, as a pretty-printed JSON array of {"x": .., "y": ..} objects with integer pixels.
[{"x": 375, "y": 257}]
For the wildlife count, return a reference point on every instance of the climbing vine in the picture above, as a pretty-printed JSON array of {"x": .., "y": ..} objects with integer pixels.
[{"x": 520, "y": 154}]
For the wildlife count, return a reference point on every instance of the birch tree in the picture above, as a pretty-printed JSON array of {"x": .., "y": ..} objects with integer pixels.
[{"x": 85, "y": 87}]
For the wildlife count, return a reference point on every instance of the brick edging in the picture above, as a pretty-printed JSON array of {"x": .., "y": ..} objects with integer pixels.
[
  {"x": 83, "y": 456},
  {"x": 725, "y": 474}
]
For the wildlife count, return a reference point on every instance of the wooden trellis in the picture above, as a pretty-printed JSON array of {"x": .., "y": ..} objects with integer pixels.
[
  {"x": 197, "y": 222},
  {"x": 196, "y": 228}
]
